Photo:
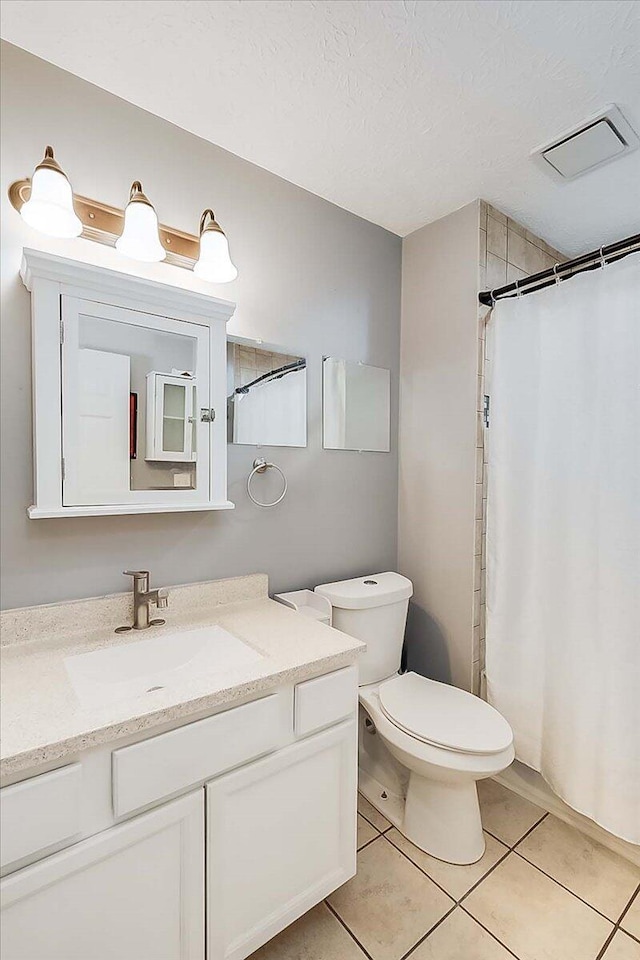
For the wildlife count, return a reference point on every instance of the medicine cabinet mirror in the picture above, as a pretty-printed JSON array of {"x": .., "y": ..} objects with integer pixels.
[
  {"x": 128, "y": 392},
  {"x": 266, "y": 395},
  {"x": 355, "y": 406}
]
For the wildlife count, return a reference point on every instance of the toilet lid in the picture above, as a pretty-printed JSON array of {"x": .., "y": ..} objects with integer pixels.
[{"x": 444, "y": 715}]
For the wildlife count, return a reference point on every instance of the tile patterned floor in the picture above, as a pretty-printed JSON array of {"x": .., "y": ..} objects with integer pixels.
[{"x": 542, "y": 891}]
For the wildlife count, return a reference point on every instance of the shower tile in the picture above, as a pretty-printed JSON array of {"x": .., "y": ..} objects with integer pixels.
[
  {"x": 365, "y": 831},
  {"x": 478, "y": 501},
  {"x": 504, "y": 814},
  {"x": 369, "y": 812},
  {"x": 479, "y": 465},
  {"x": 514, "y": 273},
  {"x": 315, "y": 936},
  {"x": 475, "y": 644},
  {"x": 622, "y": 947},
  {"x": 535, "y": 917},
  {"x": 459, "y": 936},
  {"x": 478, "y": 537},
  {"x": 631, "y": 919},
  {"x": 496, "y": 271},
  {"x": 496, "y": 238},
  {"x": 514, "y": 227},
  {"x": 476, "y": 608},
  {"x": 390, "y": 904},
  {"x": 483, "y": 249},
  {"x": 496, "y": 214},
  {"x": 594, "y": 873},
  {"x": 456, "y": 880}
]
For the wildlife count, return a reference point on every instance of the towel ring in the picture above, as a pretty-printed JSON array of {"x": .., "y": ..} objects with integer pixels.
[{"x": 260, "y": 465}]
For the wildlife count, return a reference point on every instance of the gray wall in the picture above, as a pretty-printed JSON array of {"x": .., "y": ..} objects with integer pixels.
[
  {"x": 438, "y": 428},
  {"x": 313, "y": 278}
]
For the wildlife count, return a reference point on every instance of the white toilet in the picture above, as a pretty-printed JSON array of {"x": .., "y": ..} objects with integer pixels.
[{"x": 422, "y": 744}]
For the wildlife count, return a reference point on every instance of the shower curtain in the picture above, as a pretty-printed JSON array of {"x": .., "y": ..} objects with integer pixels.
[
  {"x": 563, "y": 537},
  {"x": 273, "y": 412}
]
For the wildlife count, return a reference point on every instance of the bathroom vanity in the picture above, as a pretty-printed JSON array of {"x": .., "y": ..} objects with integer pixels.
[{"x": 188, "y": 801}]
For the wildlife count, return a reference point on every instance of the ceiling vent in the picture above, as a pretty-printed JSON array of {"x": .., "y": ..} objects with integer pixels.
[{"x": 601, "y": 138}]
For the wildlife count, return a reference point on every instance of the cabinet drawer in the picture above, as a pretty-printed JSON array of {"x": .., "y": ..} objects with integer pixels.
[
  {"x": 325, "y": 700},
  {"x": 39, "y": 812},
  {"x": 165, "y": 764}
]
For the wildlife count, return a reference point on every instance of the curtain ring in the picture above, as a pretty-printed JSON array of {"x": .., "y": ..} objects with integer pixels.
[
  {"x": 555, "y": 272},
  {"x": 518, "y": 290},
  {"x": 603, "y": 261}
]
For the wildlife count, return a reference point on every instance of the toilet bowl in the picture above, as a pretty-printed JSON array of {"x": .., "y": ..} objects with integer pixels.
[
  {"x": 423, "y": 745},
  {"x": 447, "y": 740}
]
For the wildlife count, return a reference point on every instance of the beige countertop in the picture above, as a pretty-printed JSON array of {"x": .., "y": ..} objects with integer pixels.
[{"x": 42, "y": 719}]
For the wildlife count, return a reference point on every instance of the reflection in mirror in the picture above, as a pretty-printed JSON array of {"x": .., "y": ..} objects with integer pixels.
[
  {"x": 355, "y": 406},
  {"x": 266, "y": 395},
  {"x": 129, "y": 410}
]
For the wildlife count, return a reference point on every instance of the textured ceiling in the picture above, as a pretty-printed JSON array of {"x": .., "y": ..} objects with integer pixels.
[{"x": 399, "y": 111}]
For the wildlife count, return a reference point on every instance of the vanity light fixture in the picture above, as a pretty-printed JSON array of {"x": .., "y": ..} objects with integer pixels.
[
  {"x": 50, "y": 204},
  {"x": 139, "y": 239},
  {"x": 214, "y": 263}
]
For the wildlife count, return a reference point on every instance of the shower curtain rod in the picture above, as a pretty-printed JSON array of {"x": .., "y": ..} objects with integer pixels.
[{"x": 562, "y": 271}]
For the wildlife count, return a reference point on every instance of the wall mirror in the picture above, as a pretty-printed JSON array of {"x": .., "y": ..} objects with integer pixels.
[
  {"x": 266, "y": 395},
  {"x": 355, "y": 406},
  {"x": 128, "y": 376}
]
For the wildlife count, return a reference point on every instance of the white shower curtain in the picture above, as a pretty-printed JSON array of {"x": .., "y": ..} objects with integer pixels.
[
  {"x": 563, "y": 537},
  {"x": 273, "y": 412}
]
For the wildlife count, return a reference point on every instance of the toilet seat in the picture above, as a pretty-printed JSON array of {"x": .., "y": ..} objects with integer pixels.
[{"x": 443, "y": 716}]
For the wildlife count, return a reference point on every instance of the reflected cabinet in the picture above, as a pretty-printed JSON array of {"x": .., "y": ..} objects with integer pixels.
[{"x": 129, "y": 387}]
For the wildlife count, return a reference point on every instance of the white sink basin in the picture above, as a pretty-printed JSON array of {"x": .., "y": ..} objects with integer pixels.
[{"x": 133, "y": 669}]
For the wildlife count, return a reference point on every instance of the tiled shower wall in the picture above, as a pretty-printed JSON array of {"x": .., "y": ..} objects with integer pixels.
[{"x": 508, "y": 252}]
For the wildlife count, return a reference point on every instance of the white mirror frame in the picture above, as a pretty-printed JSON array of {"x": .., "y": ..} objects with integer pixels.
[{"x": 48, "y": 277}]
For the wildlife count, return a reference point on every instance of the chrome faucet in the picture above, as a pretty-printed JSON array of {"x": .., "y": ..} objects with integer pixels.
[{"x": 143, "y": 598}]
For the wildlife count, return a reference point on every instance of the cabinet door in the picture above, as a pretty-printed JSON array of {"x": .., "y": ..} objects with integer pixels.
[
  {"x": 171, "y": 432},
  {"x": 133, "y": 892},
  {"x": 280, "y": 837},
  {"x": 129, "y": 425}
]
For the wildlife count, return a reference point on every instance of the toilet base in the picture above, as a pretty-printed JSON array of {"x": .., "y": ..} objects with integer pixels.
[{"x": 443, "y": 819}]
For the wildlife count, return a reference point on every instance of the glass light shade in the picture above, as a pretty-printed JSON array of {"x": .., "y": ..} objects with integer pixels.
[
  {"x": 49, "y": 208},
  {"x": 214, "y": 263},
  {"x": 140, "y": 239}
]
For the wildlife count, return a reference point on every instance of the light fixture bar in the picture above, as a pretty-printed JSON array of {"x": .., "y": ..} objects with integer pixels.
[{"x": 103, "y": 224}]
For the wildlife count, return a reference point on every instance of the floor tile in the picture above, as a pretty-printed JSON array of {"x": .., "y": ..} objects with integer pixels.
[
  {"x": 535, "y": 917},
  {"x": 365, "y": 832},
  {"x": 389, "y": 905},
  {"x": 460, "y": 938},
  {"x": 504, "y": 814},
  {"x": 370, "y": 813},
  {"x": 599, "y": 876},
  {"x": 622, "y": 947},
  {"x": 631, "y": 919},
  {"x": 315, "y": 936},
  {"x": 456, "y": 880}
]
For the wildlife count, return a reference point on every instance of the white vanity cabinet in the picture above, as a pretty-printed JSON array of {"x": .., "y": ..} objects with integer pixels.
[
  {"x": 133, "y": 892},
  {"x": 280, "y": 837},
  {"x": 260, "y": 798}
]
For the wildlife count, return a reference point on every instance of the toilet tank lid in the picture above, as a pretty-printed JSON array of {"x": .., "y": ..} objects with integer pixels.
[{"x": 376, "y": 590}]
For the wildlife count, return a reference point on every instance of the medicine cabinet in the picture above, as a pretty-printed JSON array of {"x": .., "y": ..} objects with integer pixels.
[{"x": 129, "y": 392}]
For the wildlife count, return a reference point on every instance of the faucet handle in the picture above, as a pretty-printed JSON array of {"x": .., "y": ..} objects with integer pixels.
[
  {"x": 163, "y": 599},
  {"x": 136, "y": 574}
]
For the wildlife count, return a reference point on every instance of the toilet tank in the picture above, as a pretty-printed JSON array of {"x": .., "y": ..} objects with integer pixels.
[{"x": 373, "y": 609}]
